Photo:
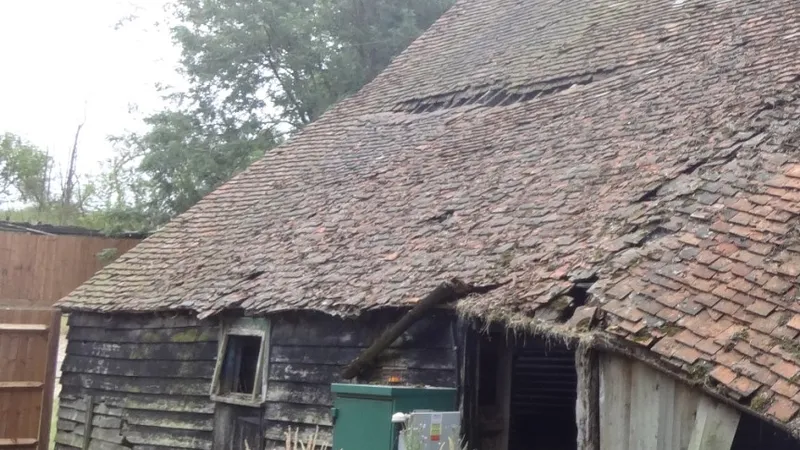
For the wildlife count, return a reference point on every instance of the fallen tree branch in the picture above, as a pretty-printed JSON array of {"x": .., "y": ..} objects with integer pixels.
[{"x": 446, "y": 292}]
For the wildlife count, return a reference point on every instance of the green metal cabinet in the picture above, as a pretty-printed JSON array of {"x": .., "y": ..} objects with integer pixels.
[{"x": 362, "y": 413}]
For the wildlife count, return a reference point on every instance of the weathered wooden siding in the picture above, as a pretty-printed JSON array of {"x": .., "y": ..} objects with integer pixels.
[
  {"x": 642, "y": 409},
  {"x": 37, "y": 270},
  {"x": 308, "y": 352},
  {"x": 142, "y": 382}
]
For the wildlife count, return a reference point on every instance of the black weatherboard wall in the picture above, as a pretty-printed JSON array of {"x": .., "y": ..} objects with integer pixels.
[
  {"x": 308, "y": 352},
  {"x": 141, "y": 381}
]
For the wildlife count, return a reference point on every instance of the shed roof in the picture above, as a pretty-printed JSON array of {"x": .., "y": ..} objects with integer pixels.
[
  {"x": 64, "y": 230},
  {"x": 650, "y": 144}
]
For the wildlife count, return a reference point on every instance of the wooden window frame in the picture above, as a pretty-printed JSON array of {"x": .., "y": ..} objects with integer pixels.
[{"x": 245, "y": 326}]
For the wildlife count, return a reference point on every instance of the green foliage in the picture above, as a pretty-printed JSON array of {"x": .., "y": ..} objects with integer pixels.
[
  {"x": 257, "y": 70},
  {"x": 24, "y": 171}
]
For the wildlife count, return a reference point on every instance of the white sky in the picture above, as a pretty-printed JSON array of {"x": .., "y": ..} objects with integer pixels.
[{"x": 61, "y": 57}]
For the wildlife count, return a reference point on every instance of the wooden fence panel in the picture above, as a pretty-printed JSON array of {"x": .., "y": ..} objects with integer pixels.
[
  {"x": 38, "y": 270},
  {"x": 28, "y": 353}
]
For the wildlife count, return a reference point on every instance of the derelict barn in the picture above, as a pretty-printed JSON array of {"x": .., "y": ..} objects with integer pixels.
[
  {"x": 148, "y": 379},
  {"x": 615, "y": 185}
]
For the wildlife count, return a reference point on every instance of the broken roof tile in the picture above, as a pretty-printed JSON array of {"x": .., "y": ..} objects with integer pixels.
[{"x": 783, "y": 409}]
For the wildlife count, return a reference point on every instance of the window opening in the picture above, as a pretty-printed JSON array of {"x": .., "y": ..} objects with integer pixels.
[
  {"x": 241, "y": 362},
  {"x": 240, "y": 365}
]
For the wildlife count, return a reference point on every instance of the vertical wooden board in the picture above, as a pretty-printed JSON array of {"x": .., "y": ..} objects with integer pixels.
[
  {"x": 615, "y": 403},
  {"x": 22, "y": 371},
  {"x": 47, "y": 397},
  {"x": 666, "y": 388},
  {"x": 645, "y": 408},
  {"x": 686, "y": 400},
  {"x": 715, "y": 426}
]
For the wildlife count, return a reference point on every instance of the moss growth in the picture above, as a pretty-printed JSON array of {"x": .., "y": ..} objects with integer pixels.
[
  {"x": 741, "y": 335},
  {"x": 189, "y": 335},
  {"x": 670, "y": 329},
  {"x": 790, "y": 346},
  {"x": 760, "y": 402},
  {"x": 699, "y": 370},
  {"x": 641, "y": 337}
]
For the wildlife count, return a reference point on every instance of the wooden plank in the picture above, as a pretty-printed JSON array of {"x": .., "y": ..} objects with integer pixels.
[
  {"x": 78, "y": 403},
  {"x": 137, "y": 368},
  {"x": 324, "y": 331},
  {"x": 87, "y": 422},
  {"x": 413, "y": 358},
  {"x": 17, "y": 385},
  {"x": 23, "y": 328},
  {"x": 170, "y": 420},
  {"x": 155, "y": 447},
  {"x": 615, "y": 403},
  {"x": 96, "y": 444},
  {"x": 99, "y": 435},
  {"x": 317, "y": 374},
  {"x": 43, "y": 269},
  {"x": 299, "y": 414},
  {"x": 665, "y": 389},
  {"x": 138, "y": 385},
  {"x": 644, "y": 415},
  {"x": 18, "y": 442},
  {"x": 69, "y": 439},
  {"x": 586, "y": 410},
  {"x": 197, "y": 351},
  {"x": 59, "y": 446},
  {"x": 48, "y": 394},
  {"x": 139, "y": 435},
  {"x": 300, "y": 393},
  {"x": 715, "y": 426},
  {"x": 686, "y": 402},
  {"x": 160, "y": 403},
  {"x": 275, "y": 430},
  {"x": 66, "y": 425},
  {"x": 134, "y": 321},
  {"x": 71, "y": 414},
  {"x": 143, "y": 336}
]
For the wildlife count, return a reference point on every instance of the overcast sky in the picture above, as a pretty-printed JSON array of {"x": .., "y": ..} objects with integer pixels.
[{"x": 63, "y": 57}]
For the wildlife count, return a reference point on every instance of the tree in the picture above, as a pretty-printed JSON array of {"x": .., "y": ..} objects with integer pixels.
[
  {"x": 257, "y": 71},
  {"x": 24, "y": 172}
]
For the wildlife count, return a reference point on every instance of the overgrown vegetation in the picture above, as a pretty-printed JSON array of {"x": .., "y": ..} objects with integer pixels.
[{"x": 257, "y": 70}]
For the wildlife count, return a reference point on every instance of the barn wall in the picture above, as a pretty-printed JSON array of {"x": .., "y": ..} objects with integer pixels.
[
  {"x": 142, "y": 381},
  {"x": 146, "y": 379},
  {"x": 308, "y": 352},
  {"x": 642, "y": 409}
]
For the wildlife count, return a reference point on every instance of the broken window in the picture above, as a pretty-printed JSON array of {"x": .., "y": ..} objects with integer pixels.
[{"x": 241, "y": 362}]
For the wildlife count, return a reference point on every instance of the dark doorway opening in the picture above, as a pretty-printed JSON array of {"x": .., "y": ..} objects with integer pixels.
[
  {"x": 544, "y": 385},
  {"x": 754, "y": 433}
]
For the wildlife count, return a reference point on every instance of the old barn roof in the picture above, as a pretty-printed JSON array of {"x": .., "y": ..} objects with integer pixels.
[{"x": 650, "y": 144}]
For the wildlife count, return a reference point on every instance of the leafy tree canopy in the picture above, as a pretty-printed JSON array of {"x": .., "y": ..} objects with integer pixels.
[{"x": 257, "y": 71}]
